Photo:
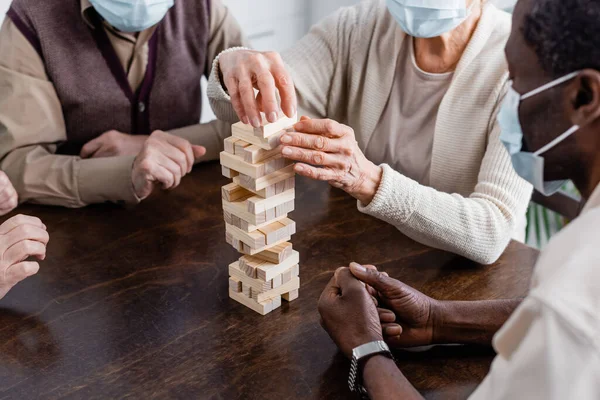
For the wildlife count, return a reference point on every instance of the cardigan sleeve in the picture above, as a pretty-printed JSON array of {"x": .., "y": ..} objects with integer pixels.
[{"x": 478, "y": 227}]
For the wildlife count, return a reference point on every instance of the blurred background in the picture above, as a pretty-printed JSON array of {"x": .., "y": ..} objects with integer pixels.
[{"x": 278, "y": 24}]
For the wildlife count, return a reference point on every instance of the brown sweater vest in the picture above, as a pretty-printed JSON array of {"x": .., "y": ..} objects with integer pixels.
[{"x": 91, "y": 83}]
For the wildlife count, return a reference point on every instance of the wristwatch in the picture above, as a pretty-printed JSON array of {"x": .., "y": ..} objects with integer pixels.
[{"x": 361, "y": 353}]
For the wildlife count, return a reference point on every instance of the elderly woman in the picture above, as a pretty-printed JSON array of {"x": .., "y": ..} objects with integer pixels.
[{"x": 412, "y": 89}]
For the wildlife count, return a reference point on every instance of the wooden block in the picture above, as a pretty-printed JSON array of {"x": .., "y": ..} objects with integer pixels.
[
  {"x": 276, "y": 302},
  {"x": 290, "y": 296},
  {"x": 287, "y": 276},
  {"x": 278, "y": 230},
  {"x": 250, "y": 251},
  {"x": 265, "y": 270},
  {"x": 255, "y": 184},
  {"x": 235, "y": 285},
  {"x": 270, "y": 214},
  {"x": 272, "y": 190},
  {"x": 228, "y": 173},
  {"x": 283, "y": 209},
  {"x": 269, "y": 143},
  {"x": 267, "y": 128},
  {"x": 247, "y": 290},
  {"x": 256, "y": 170},
  {"x": 254, "y": 154},
  {"x": 257, "y": 285},
  {"x": 258, "y": 204},
  {"x": 254, "y": 240},
  {"x": 294, "y": 284},
  {"x": 239, "y": 147},
  {"x": 277, "y": 254},
  {"x": 261, "y": 308},
  {"x": 227, "y": 217},
  {"x": 276, "y": 282},
  {"x": 247, "y": 227},
  {"x": 234, "y": 192},
  {"x": 230, "y": 144},
  {"x": 236, "y": 244},
  {"x": 240, "y": 210}
]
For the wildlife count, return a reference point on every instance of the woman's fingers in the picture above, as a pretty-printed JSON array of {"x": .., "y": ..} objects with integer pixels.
[
  {"x": 312, "y": 141},
  {"x": 320, "y": 174},
  {"x": 313, "y": 157},
  {"x": 170, "y": 173},
  {"x": 326, "y": 127}
]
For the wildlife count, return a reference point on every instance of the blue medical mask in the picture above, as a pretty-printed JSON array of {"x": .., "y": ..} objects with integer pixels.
[
  {"x": 428, "y": 18},
  {"x": 132, "y": 15},
  {"x": 529, "y": 166}
]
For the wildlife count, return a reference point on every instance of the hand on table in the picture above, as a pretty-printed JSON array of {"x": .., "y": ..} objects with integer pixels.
[
  {"x": 21, "y": 237},
  {"x": 245, "y": 70},
  {"x": 112, "y": 144},
  {"x": 9, "y": 200},
  {"x": 164, "y": 160},
  {"x": 348, "y": 312},
  {"x": 328, "y": 151},
  {"x": 409, "y": 318}
]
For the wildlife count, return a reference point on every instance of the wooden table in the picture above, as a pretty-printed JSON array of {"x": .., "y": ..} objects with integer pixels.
[{"x": 133, "y": 303}]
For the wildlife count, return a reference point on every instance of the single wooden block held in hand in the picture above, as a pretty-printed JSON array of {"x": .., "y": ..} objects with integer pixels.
[{"x": 267, "y": 128}]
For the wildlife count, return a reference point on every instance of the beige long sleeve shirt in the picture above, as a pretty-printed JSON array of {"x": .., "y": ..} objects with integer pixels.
[{"x": 32, "y": 123}]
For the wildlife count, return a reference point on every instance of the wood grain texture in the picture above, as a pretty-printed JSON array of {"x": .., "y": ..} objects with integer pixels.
[{"x": 134, "y": 303}]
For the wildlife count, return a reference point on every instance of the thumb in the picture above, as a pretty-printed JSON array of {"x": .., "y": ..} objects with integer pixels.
[
  {"x": 199, "y": 151},
  {"x": 380, "y": 281},
  {"x": 304, "y": 118}
]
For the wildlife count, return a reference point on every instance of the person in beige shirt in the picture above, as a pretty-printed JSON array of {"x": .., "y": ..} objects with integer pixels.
[
  {"x": 33, "y": 116},
  {"x": 547, "y": 344}
]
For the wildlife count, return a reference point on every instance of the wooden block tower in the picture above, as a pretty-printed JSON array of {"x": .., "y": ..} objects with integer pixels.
[{"x": 256, "y": 207}]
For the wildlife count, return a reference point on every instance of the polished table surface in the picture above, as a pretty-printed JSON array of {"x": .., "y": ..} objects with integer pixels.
[{"x": 133, "y": 303}]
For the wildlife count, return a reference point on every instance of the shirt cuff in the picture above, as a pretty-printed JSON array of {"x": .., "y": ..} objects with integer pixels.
[
  {"x": 107, "y": 179},
  {"x": 394, "y": 201}
]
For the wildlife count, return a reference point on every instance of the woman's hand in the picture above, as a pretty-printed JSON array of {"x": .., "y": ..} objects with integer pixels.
[
  {"x": 9, "y": 200},
  {"x": 245, "y": 70},
  {"x": 332, "y": 147},
  {"x": 410, "y": 317},
  {"x": 21, "y": 237},
  {"x": 348, "y": 312},
  {"x": 113, "y": 144}
]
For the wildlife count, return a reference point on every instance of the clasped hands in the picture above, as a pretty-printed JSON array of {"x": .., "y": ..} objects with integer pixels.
[
  {"x": 362, "y": 305},
  {"x": 161, "y": 159}
]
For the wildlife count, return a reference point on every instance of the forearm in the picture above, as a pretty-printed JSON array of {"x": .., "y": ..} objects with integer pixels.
[
  {"x": 474, "y": 227},
  {"x": 383, "y": 380},
  {"x": 210, "y": 135},
  {"x": 470, "y": 322},
  {"x": 41, "y": 177}
]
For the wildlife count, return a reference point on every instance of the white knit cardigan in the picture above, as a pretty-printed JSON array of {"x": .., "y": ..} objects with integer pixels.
[{"x": 344, "y": 69}]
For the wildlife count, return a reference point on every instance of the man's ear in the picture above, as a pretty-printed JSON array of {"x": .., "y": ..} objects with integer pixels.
[{"x": 584, "y": 96}]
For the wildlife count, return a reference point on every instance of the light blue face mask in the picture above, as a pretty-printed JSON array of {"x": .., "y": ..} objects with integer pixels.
[
  {"x": 428, "y": 18},
  {"x": 132, "y": 15},
  {"x": 529, "y": 166}
]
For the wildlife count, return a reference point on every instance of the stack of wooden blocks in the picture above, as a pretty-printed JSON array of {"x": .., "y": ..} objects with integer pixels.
[{"x": 255, "y": 208}]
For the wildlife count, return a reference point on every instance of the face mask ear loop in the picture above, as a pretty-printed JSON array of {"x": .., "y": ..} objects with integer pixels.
[
  {"x": 550, "y": 85},
  {"x": 558, "y": 140}
]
